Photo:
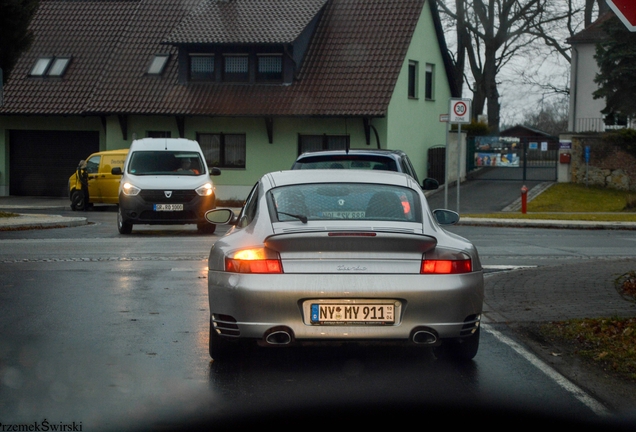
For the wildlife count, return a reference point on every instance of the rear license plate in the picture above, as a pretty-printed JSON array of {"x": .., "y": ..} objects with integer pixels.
[
  {"x": 333, "y": 313},
  {"x": 168, "y": 207}
]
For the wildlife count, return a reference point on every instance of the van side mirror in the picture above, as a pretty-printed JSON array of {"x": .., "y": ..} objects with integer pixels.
[
  {"x": 214, "y": 171},
  {"x": 116, "y": 171},
  {"x": 430, "y": 184}
]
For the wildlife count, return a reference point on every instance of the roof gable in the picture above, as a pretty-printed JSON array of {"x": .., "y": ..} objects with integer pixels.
[{"x": 523, "y": 131}]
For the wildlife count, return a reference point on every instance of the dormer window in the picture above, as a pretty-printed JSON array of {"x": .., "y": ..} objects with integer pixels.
[
  {"x": 236, "y": 68},
  {"x": 158, "y": 64},
  {"x": 50, "y": 66},
  {"x": 202, "y": 67},
  {"x": 235, "y": 65},
  {"x": 269, "y": 67}
]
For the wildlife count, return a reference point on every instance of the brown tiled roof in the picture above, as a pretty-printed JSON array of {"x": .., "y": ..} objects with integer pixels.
[
  {"x": 350, "y": 69},
  {"x": 89, "y": 31},
  {"x": 253, "y": 21}
]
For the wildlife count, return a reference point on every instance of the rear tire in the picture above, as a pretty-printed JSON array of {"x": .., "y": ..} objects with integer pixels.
[
  {"x": 78, "y": 201},
  {"x": 460, "y": 349},
  {"x": 123, "y": 226}
]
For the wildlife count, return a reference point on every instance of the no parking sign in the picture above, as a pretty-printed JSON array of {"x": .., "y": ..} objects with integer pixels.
[{"x": 459, "y": 111}]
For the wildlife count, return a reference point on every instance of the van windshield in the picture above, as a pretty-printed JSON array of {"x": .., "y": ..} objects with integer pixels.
[{"x": 163, "y": 162}]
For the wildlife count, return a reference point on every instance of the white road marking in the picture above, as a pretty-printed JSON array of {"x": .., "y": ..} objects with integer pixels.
[
  {"x": 508, "y": 267},
  {"x": 562, "y": 381}
]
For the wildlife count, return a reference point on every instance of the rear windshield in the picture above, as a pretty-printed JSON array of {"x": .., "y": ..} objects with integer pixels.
[
  {"x": 165, "y": 162},
  {"x": 345, "y": 202},
  {"x": 365, "y": 162}
]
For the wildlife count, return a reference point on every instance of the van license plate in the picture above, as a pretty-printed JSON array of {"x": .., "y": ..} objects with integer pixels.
[{"x": 168, "y": 207}]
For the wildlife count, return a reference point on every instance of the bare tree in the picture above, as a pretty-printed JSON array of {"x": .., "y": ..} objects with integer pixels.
[
  {"x": 574, "y": 16},
  {"x": 590, "y": 6},
  {"x": 550, "y": 116},
  {"x": 490, "y": 34}
]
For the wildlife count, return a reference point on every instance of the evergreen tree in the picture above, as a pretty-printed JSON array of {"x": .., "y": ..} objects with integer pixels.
[
  {"x": 15, "y": 37},
  {"x": 616, "y": 58}
]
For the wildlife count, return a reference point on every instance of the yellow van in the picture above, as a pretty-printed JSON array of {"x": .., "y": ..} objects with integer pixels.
[{"x": 93, "y": 181}]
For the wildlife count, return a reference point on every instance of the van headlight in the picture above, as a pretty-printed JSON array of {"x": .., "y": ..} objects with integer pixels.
[
  {"x": 130, "y": 190},
  {"x": 205, "y": 190}
]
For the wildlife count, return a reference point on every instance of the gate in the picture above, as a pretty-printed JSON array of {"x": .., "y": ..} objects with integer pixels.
[
  {"x": 437, "y": 163},
  {"x": 514, "y": 158}
]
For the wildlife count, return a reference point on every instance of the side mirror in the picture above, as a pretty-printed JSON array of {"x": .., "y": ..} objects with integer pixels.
[
  {"x": 221, "y": 217},
  {"x": 430, "y": 184},
  {"x": 116, "y": 171},
  {"x": 446, "y": 217},
  {"x": 214, "y": 171}
]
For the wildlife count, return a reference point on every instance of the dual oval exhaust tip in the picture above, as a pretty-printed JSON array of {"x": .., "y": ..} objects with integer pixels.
[
  {"x": 284, "y": 336},
  {"x": 424, "y": 336},
  {"x": 279, "y": 336}
]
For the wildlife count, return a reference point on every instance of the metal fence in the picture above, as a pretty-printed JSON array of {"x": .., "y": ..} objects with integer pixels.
[
  {"x": 514, "y": 158},
  {"x": 601, "y": 124}
]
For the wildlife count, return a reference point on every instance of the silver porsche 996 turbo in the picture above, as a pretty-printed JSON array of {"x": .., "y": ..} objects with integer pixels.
[{"x": 342, "y": 256}]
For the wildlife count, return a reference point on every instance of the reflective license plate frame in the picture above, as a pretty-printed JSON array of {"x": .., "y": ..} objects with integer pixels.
[{"x": 346, "y": 313}]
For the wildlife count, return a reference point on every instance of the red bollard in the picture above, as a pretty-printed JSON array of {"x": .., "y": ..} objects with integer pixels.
[{"x": 524, "y": 199}]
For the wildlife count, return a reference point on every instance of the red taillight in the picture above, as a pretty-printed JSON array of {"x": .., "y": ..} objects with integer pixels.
[
  {"x": 446, "y": 266},
  {"x": 258, "y": 266},
  {"x": 405, "y": 204},
  {"x": 253, "y": 261}
]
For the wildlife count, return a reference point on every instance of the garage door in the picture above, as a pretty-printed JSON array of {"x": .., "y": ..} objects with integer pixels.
[{"x": 42, "y": 161}]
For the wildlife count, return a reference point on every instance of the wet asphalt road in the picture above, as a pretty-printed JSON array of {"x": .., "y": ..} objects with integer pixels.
[{"x": 108, "y": 329}]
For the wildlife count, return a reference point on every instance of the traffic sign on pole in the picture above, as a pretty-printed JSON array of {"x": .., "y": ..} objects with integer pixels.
[
  {"x": 459, "y": 114},
  {"x": 626, "y": 11},
  {"x": 459, "y": 111}
]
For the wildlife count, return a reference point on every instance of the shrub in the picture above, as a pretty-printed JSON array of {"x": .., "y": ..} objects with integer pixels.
[
  {"x": 474, "y": 129},
  {"x": 625, "y": 139}
]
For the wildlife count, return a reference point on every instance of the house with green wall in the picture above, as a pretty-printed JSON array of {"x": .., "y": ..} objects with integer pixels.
[{"x": 256, "y": 82}]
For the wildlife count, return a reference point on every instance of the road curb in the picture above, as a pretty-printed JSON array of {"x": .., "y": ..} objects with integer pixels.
[
  {"x": 35, "y": 221},
  {"x": 547, "y": 223}
]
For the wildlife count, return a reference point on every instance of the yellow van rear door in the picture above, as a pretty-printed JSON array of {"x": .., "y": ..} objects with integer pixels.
[
  {"x": 109, "y": 183},
  {"x": 92, "y": 170}
]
